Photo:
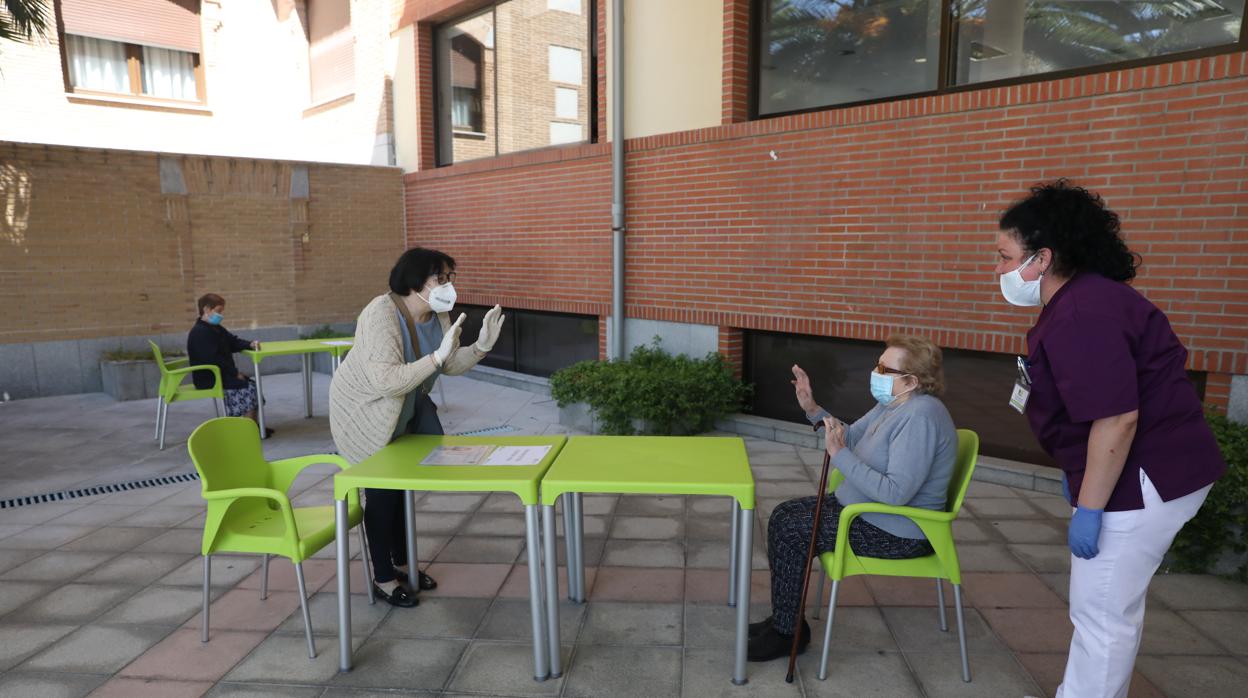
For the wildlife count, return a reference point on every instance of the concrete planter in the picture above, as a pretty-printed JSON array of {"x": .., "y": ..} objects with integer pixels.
[
  {"x": 580, "y": 416},
  {"x": 130, "y": 380}
]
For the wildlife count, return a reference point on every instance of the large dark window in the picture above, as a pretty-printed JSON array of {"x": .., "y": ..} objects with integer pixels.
[
  {"x": 820, "y": 53},
  {"x": 977, "y": 387},
  {"x": 535, "y": 342},
  {"x": 516, "y": 76}
]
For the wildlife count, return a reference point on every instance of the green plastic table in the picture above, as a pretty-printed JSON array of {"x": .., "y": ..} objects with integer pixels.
[
  {"x": 397, "y": 467},
  {"x": 648, "y": 465},
  {"x": 305, "y": 348}
]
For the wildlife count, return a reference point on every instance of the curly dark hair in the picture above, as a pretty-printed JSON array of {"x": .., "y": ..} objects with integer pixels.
[{"x": 1075, "y": 224}]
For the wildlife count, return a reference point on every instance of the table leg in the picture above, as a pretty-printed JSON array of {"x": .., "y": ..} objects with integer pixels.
[
  {"x": 569, "y": 542},
  {"x": 260, "y": 399},
  {"x": 552, "y": 587},
  {"x": 409, "y": 512},
  {"x": 578, "y": 504},
  {"x": 745, "y": 553},
  {"x": 307, "y": 383},
  {"x": 541, "y": 663},
  {"x": 344, "y": 585},
  {"x": 732, "y": 553}
]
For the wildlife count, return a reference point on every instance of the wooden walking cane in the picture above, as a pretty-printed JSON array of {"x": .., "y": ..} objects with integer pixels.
[{"x": 810, "y": 558}]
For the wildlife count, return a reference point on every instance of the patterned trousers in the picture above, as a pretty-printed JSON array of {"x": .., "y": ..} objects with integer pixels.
[{"x": 788, "y": 539}]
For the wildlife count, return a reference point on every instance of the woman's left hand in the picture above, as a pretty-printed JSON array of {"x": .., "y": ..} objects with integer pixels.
[
  {"x": 491, "y": 328},
  {"x": 833, "y": 435}
]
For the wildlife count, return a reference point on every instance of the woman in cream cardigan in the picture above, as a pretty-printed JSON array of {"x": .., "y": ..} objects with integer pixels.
[{"x": 403, "y": 341}]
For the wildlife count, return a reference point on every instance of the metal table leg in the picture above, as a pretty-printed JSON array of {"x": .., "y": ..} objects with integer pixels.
[
  {"x": 745, "y": 553},
  {"x": 578, "y": 523},
  {"x": 413, "y": 564},
  {"x": 260, "y": 399},
  {"x": 541, "y": 663},
  {"x": 732, "y": 553},
  {"x": 344, "y": 584},
  {"x": 306, "y": 366},
  {"x": 569, "y": 542},
  {"x": 551, "y": 562}
]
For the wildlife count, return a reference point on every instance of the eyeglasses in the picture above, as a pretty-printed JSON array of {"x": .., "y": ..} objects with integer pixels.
[
  {"x": 882, "y": 369},
  {"x": 447, "y": 278}
]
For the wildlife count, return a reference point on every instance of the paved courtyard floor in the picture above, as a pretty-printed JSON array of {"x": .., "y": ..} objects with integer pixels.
[{"x": 100, "y": 595}]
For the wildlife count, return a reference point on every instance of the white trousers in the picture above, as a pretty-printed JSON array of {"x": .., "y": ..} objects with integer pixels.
[{"x": 1107, "y": 593}]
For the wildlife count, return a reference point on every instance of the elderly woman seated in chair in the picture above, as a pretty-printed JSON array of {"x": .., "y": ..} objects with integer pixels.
[{"x": 901, "y": 452}]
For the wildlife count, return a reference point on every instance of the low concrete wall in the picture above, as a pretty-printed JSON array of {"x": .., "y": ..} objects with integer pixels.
[{"x": 43, "y": 369}]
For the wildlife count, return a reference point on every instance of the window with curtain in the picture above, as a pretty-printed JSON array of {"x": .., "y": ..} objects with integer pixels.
[
  {"x": 467, "y": 56},
  {"x": 331, "y": 50},
  {"x": 168, "y": 73},
  {"x": 97, "y": 64}
]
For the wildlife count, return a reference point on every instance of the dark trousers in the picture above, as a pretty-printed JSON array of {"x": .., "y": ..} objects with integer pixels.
[
  {"x": 384, "y": 522},
  {"x": 788, "y": 539}
]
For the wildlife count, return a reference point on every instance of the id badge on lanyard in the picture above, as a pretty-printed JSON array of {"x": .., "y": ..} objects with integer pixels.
[{"x": 1022, "y": 387}]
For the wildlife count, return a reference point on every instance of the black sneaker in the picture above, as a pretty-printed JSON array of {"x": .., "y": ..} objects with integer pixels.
[
  {"x": 756, "y": 629},
  {"x": 772, "y": 644}
]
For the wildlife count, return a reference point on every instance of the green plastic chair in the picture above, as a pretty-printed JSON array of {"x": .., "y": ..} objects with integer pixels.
[
  {"x": 171, "y": 389},
  {"x": 249, "y": 511},
  {"x": 936, "y": 525}
]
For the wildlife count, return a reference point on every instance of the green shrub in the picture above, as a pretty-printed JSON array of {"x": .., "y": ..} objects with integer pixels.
[
  {"x": 1222, "y": 523},
  {"x": 323, "y": 332},
  {"x": 672, "y": 394}
]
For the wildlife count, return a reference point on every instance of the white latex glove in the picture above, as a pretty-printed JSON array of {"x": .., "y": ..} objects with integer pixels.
[
  {"x": 450, "y": 341},
  {"x": 491, "y": 328}
]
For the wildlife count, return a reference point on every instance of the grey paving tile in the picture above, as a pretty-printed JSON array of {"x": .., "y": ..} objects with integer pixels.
[
  {"x": 439, "y": 523},
  {"x": 918, "y": 630},
  {"x": 72, "y": 603},
  {"x": 636, "y": 505},
  {"x": 115, "y": 538},
  {"x": 19, "y": 641},
  {"x": 853, "y": 673},
  {"x": 714, "y": 624},
  {"x": 444, "y": 617},
  {"x": 971, "y": 531},
  {"x": 227, "y": 571},
  {"x": 783, "y": 489},
  {"x": 58, "y": 566},
  {"x": 404, "y": 664},
  {"x": 14, "y": 595},
  {"x": 714, "y": 554},
  {"x": 495, "y": 525},
  {"x": 161, "y": 516},
  {"x": 988, "y": 558},
  {"x": 96, "y": 649},
  {"x": 644, "y": 553},
  {"x": 324, "y": 611},
  {"x": 1002, "y": 508},
  {"x": 481, "y": 549},
  {"x": 46, "y": 685},
  {"x": 441, "y": 502},
  {"x": 988, "y": 489},
  {"x": 707, "y": 672},
  {"x": 96, "y": 514},
  {"x": 174, "y": 541},
  {"x": 615, "y": 623},
  {"x": 138, "y": 569},
  {"x": 1167, "y": 633},
  {"x": 1043, "y": 558},
  {"x": 1226, "y": 627},
  {"x": 646, "y": 527},
  {"x": 497, "y": 668},
  {"x": 38, "y": 513},
  {"x": 225, "y": 689},
  {"x": 1199, "y": 592},
  {"x": 708, "y": 528},
  {"x": 283, "y": 659},
  {"x": 1196, "y": 677},
  {"x": 597, "y": 504},
  {"x": 45, "y": 537},
  {"x": 156, "y": 605},
  {"x": 13, "y": 558},
  {"x": 509, "y": 619},
  {"x": 992, "y": 674},
  {"x": 1029, "y": 531},
  {"x": 1056, "y": 507},
  {"x": 598, "y": 671}
]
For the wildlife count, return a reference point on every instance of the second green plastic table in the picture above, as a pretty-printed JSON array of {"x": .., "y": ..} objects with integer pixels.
[
  {"x": 305, "y": 348},
  {"x": 694, "y": 465}
]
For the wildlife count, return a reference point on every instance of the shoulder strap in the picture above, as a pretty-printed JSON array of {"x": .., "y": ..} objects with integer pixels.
[{"x": 407, "y": 316}]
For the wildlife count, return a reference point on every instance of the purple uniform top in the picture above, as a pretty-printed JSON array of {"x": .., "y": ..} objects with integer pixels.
[{"x": 1101, "y": 349}]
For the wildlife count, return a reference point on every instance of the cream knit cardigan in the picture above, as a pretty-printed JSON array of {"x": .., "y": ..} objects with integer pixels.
[{"x": 366, "y": 392}]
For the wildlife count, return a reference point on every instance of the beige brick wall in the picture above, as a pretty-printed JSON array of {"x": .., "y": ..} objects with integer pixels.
[{"x": 91, "y": 247}]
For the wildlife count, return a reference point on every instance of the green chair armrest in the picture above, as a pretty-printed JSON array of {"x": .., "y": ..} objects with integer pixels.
[
  {"x": 175, "y": 363},
  {"x": 835, "y": 478},
  {"x": 283, "y": 502},
  {"x": 173, "y": 377},
  {"x": 916, "y": 514},
  {"x": 287, "y": 469}
]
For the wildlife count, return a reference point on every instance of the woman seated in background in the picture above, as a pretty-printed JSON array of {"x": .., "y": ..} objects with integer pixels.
[
  {"x": 209, "y": 342},
  {"x": 901, "y": 452}
]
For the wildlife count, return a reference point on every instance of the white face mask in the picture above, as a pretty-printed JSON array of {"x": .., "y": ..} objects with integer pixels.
[
  {"x": 1019, "y": 291},
  {"x": 441, "y": 298}
]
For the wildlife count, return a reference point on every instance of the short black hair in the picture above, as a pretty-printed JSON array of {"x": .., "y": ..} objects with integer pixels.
[
  {"x": 209, "y": 300},
  {"x": 414, "y": 268},
  {"x": 1083, "y": 233}
]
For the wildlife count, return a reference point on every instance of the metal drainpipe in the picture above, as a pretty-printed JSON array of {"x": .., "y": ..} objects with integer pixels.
[{"x": 616, "y": 350}]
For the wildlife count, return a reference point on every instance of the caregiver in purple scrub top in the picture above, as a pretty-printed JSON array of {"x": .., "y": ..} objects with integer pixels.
[{"x": 1105, "y": 390}]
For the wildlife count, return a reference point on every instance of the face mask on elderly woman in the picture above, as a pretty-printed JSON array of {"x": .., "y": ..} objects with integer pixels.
[{"x": 882, "y": 388}]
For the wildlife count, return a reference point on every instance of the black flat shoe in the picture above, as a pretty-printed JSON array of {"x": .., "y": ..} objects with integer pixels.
[
  {"x": 400, "y": 597},
  {"x": 756, "y": 629},
  {"x": 427, "y": 583},
  {"x": 772, "y": 644}
]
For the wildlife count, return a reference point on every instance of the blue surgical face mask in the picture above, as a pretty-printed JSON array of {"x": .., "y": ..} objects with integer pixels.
[
  {"x": 215, "y": 319},
  {"x": 882, "y": 387}
]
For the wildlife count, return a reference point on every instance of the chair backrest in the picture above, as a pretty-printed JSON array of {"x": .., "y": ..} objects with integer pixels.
[
  {"x": 160, "y": 359},
  {"x": 963, "y": 468},
  {"x": 227, "y": 453}
]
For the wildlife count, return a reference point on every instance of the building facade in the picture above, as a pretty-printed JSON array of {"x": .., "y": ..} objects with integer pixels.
[{"x": 804, "y": 178}]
